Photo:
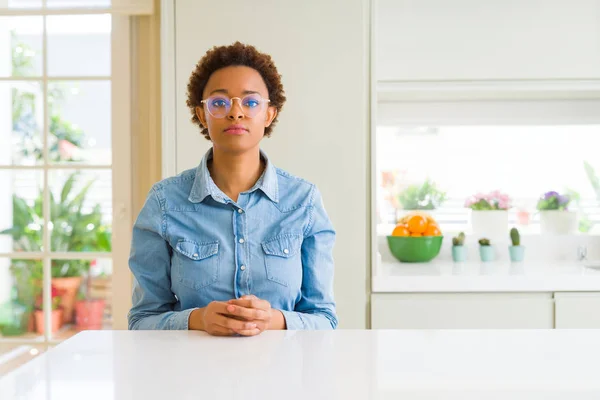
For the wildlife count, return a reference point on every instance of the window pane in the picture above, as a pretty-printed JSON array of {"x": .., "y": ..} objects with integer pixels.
[
  {"x": 521, "y": 161},
  {"x": 78, "y": 3},
  {"x": 21, "y": 219},
  {"x": 79, "y": 45},
  {"x": 83, "y": 292},
  {"x": 21, "y": 46},
  {"x": 21, "y": 116},
  {"x": 20, "y": 297},
  {"x": 81, "y": 211},
  {"x": 23, "y": 4},
  {"x": 80, "y": 122}
]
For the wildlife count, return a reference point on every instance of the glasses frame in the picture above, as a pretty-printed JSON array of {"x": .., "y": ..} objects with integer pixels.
[{"x": 231, "y": 99}]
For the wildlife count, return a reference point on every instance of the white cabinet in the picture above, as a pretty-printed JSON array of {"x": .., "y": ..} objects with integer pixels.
[
  {"x": 577, "y": 310},
  {"x": 462, "y": 311},
  {"x": 421, "y": 40}
]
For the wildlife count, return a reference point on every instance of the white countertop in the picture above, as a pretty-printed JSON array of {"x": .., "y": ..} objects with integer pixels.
[
  {"x": 446, "y": 276},
  {"x": 343, "y": 364}
]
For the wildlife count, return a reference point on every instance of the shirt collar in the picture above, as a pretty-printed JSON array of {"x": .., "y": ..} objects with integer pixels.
[{"x": 205, "y": 186}]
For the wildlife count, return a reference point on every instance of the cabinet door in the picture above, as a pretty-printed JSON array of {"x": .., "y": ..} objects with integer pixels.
[
  {"x": 577, "y": 310},
  {"x": 462, "y": 311}
]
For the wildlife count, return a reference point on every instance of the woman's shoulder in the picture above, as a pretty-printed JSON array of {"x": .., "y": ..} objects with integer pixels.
[{"x": 296, "y": 190}]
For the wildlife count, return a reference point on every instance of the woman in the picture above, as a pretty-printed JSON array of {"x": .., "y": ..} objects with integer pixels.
[{"x": 235, "y": 246}]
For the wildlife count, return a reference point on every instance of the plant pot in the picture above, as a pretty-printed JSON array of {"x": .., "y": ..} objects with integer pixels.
[
  {"x": 89, "y": 314},
  {"x": 459, "y": 253},
  {"x": 486, "y": 253},
  {"x": 517, "y": 253},
  {"x": 68, "y": 288},
  {"x": 492, "y": 224},
  {"x": 57, "y": 320},
  {"x": 558, "y": 222}
]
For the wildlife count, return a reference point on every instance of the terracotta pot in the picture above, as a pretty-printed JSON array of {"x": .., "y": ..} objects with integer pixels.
[
  {"x": 68, "y": 288},
  {"x": 57, "y": 320},
  {"x": 89, "y": 314}
]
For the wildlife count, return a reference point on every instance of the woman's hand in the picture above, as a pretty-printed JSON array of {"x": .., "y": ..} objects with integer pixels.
[
  {"x": 215, "y": 319},
  {"x": 254, "y": 310}
]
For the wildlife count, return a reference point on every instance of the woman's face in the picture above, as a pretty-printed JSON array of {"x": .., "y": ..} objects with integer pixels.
[{"x": 236, "y": 126}]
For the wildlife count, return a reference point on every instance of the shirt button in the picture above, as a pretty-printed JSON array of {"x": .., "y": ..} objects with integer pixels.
[
  {"x": 195, "y": 255},
  {"x": 286, "y": 251},
  {"x": 240, "y": 210},
  {"x": 243, "y": 267},
  {"x": 241, "y": 240}
]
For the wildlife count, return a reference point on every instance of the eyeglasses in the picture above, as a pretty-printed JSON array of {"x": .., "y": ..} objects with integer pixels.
[{"x": 219, "y": 106}]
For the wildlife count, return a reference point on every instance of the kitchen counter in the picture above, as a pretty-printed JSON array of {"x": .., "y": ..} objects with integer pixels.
[
  {"x": 446, "y": 276},
  {"x": 343, "y": 364}
]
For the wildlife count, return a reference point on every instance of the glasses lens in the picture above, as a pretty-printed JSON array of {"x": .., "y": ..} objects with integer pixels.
[
  {"x": 218, "y": 106},
  {"x": 252, "y": 105}
]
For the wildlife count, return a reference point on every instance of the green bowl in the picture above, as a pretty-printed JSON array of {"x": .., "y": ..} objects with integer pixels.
[{"x": 415, "y": 249}]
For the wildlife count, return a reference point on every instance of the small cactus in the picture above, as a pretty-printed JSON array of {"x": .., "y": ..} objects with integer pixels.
[
  {"x": 459, "y": 240},
  {"x": 484, "y": 242},
  {"x": 515, "y": 237}
]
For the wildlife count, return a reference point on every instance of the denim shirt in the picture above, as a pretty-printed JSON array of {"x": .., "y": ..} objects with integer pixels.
[{"x": 192, "y": 245}]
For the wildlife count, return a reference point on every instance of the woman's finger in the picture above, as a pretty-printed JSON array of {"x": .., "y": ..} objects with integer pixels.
[
  {"x": 231, "y": 323},
  {"x": 246, "y": 313}
]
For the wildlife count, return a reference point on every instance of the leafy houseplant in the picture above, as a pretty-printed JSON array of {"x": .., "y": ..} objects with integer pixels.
[
  {"x": 459, "y": 251},
  {"x": 74, "y": 229},
  {"x": 89, "y": 311},
  {"x": 489, "y": 214},
  {"x": 555, "y": 216},
  {"x": 516, "y": 251},
  {"x": 57, "y": 312},
  {"x": 426, "y": 196},
  {"x": 486, "y": 250}
]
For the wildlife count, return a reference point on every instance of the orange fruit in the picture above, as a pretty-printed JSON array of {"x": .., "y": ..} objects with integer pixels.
[
  {"x": 400, "y": 230},
  {"x": 432, "y": 230},
  {"x": 417, "y": 224},
  {"x": 416, "y": 234}
]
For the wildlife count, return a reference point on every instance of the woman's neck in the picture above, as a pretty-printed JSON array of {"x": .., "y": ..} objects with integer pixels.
[{"x": 235, "y": 173}]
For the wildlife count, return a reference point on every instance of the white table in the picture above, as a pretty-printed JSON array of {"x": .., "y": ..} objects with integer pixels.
[{"x": 343, "y": 364}]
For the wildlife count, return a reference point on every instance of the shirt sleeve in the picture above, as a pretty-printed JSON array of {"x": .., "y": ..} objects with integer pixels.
[
  {"x": 150, "y": 263},
  {"x": 316, "y": 308}
]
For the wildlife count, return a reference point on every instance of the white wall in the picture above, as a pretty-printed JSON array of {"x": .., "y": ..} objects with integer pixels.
[{"x": 321, "y": 49}]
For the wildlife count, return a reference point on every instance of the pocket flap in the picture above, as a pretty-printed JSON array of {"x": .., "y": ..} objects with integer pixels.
[
  {"x": 283, "y": 246},
  {"x": 197, "y": 251}
]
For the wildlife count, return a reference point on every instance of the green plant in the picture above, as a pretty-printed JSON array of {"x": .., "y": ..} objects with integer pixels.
[
  {"x": 74, "y": 230},
  {"x": 426, "y": 196},
  {"x": 515, "y": 237},
  {"x": 459, "y": 240},
  {"x": 484, "y": 242},
  {"x": 553, "y": 201}
]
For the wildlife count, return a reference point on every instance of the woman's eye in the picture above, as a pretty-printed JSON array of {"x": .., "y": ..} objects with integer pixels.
[
  {"x": 219, "y": 103},
  {"x": 252, "y": 103}
]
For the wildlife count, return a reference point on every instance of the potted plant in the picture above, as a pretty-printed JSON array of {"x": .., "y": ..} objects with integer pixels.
[
  {"x": 71, "y": 233},
  {"x": 489, "y": 214},
  {"x": 89, "y": 311},
  {"x": 555, "y": 216},
  {"x": 459, "y": 251},
  {"x": 426, "y": 196},
  {"x": 57, "y": 312},
  {"x": 486, "y": 250},
  {"x": 516, "y": 251}
]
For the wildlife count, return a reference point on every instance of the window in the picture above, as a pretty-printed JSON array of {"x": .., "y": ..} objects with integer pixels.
[
  {"x": 64, "y": 170},
  {"x": 463, "y": 153}
]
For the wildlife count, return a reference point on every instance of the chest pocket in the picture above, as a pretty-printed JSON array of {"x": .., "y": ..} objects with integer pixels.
[
  {"x": 197, "y": 264},
  {"x": 283, "y": 260}
]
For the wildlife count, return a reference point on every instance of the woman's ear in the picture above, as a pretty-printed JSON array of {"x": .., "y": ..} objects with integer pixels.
[
  {"x": 271, "y": 114},
  {"x": 201, "y": 116}
]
